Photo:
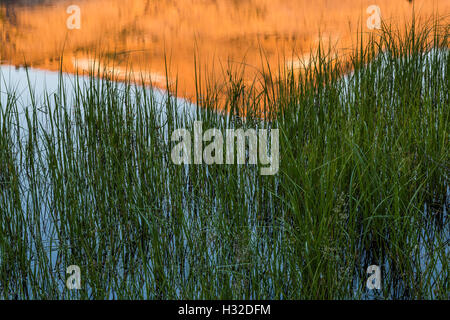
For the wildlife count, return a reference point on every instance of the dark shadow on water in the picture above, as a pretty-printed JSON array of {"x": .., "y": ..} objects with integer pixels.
[{"x": 25, "y": 3}]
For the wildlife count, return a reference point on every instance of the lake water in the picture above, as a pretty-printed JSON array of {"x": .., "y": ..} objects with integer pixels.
[
  {"x": 39, "y": 84},
  {"x": 28, "y": 84},
  {"x": 158, "y": 40}
]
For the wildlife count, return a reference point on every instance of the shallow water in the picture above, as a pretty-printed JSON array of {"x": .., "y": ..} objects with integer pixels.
[
  {"x": 35, "y": 85},
  {"x": 26, "y": 85},
  {"x": 21, "y": 80}
]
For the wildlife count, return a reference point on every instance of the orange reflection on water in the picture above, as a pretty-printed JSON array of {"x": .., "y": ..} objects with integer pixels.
[{"x": 145, "y": 34}]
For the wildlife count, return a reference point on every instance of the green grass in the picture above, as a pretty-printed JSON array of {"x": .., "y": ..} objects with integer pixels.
[{"x": 363, "y": 180}]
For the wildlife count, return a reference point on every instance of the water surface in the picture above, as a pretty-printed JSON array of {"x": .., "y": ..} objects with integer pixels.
[{"x": 184, "y": 37}]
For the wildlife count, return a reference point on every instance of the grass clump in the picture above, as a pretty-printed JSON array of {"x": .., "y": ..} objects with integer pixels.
[{"x": 87, "y": 179}]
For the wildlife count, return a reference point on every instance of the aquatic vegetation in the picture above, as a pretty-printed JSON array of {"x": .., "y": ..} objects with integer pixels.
[{"x": 86, "y": 179}]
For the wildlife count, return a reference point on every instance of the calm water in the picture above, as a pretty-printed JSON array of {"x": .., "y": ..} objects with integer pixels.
[
  {"x": 147, "y": 36},
  {"x": 43, "y": 83},
  {"x": 24, "y": 84},
  {"x": 142, "y": 36}
]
